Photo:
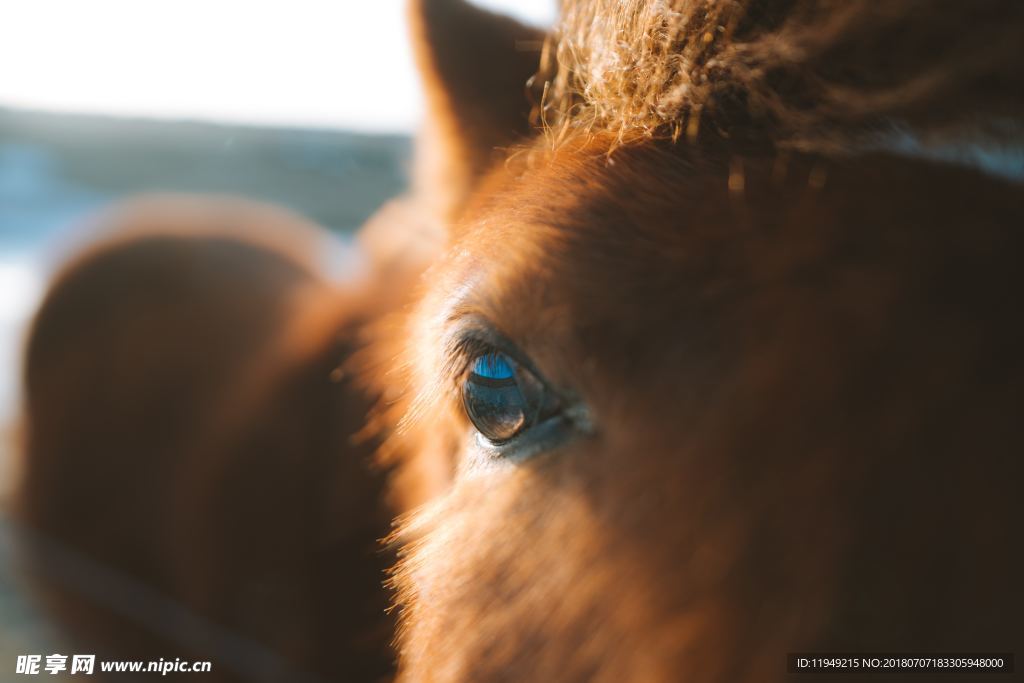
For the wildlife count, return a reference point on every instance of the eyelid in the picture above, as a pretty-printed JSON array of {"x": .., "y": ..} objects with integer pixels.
[{"x": 473, "y": 336}]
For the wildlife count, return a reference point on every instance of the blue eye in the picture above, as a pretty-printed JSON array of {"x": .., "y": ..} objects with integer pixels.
[{"x": 502, "y": 398}]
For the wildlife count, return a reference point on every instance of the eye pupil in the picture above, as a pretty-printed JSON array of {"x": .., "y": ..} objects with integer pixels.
[{"x": 501, "y": 398}]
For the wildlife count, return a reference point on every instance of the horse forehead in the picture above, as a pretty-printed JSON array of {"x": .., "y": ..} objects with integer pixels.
[
  {"x": 653, "y": 248},
  {"x": 583, "y": 262},
  {"x": 580, "y": 215},
  {"x": 576, "y": 258}
]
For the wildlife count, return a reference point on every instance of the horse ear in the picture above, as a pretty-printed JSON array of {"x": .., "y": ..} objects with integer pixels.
[{"x": 475, "y": 67}]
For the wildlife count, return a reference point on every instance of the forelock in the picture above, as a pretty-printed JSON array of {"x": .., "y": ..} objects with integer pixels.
[{"x": 805, "y": 73}]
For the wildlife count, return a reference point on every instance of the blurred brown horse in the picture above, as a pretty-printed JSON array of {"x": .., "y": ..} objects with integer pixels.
[{"x": 697, "y": 343}]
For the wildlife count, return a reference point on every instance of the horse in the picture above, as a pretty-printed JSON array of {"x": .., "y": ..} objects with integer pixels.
[
  {"x": 185, "y": 412},
  {"x": 694, "y": 345}
]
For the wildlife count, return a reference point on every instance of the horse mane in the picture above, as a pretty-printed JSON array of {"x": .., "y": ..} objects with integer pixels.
[{"x": 811, "y": 74}]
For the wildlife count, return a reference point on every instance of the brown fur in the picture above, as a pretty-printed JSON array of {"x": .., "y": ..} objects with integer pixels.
[
  {"x": 784, "y": 356},
  {"x": 192, "y": 488},
  {"x": 800, "y": 368},
  {"x": 788, "y": 433},
  {"x": 475, "y": 67}
]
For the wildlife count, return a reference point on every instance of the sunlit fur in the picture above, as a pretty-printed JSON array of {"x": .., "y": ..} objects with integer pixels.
[
  {"x": 812, "y": 398},
  {"x": 808, "y": 73},
  {"x": 798, "y": 355}
]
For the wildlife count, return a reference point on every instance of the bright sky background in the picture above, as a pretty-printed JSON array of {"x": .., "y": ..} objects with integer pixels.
[{"x": 325, "y": 63}]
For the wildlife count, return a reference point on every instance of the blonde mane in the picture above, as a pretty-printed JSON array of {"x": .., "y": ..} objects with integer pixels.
[{"x": 805, "y": 73}]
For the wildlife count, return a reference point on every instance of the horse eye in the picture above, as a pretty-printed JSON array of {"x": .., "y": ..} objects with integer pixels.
[{"x": 502, "y": 398}]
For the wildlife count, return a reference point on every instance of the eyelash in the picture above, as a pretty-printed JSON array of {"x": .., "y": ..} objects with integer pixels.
[
  {"x": 461, "y": 356},
  {"x": 470, "y": 344}
]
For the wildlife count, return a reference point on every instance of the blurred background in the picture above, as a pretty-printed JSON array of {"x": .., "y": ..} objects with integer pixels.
[{"x": 310, "y": 104}]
